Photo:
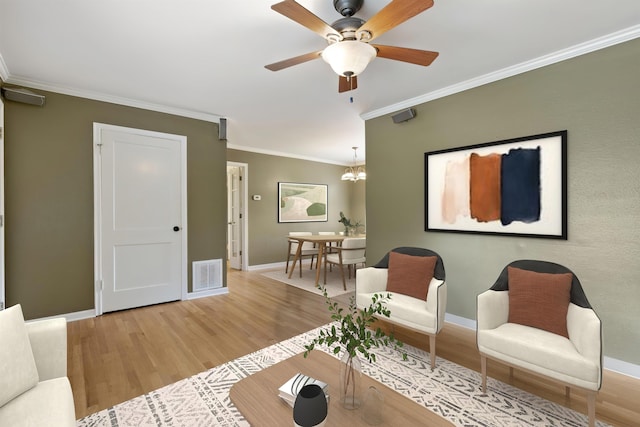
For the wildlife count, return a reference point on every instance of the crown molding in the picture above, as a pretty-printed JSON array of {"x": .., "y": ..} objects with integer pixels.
[
  {"x": 97, "y": 96},
  {"x": 4, "y": 71},
  {"x": 282, "y": 154},
  {"x": 559, "y": 56}
]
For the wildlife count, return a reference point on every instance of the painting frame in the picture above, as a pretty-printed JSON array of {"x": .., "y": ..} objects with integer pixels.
[
  {"x": 501, "y": 182},
  {"x": 302, "y": 202}
]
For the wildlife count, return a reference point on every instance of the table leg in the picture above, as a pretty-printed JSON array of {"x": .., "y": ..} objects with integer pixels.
[
  {"x": 296, "y": 258},
  {"x": 321, "y": 251}
]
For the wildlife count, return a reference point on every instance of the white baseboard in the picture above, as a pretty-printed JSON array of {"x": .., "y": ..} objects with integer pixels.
[
  {"x": 267, "y": 266},
  {"x": 207, "y": 293},
  {"x": 69, "y": 317},
  {"x": 271, "y": 266},
  {"x": 609, "y": 363},
  {"x": 622, "y": 367},
  {"x": 460, "y": 321}
]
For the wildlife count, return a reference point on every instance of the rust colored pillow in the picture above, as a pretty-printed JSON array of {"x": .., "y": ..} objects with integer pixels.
[
  {"x": 540, "y": 300},
  {"x": 410, "y": 275}
]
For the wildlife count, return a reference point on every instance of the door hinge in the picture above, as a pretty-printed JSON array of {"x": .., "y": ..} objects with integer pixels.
[
  {"x": 1, "y": 220},
  {"x": 100, "y": 285},
  {"x": 1, "y": 305}
]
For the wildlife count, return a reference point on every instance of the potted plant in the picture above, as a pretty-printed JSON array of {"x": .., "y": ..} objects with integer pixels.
[
  {"x": 352, "y": 335},
  {"x": 349, "y": 227}
]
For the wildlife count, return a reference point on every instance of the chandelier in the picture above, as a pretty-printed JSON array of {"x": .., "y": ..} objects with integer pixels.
[{"x": 354, "y": 173}]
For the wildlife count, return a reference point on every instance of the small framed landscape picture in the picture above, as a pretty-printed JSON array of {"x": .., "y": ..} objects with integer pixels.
[{"x": 302, "y": 202}]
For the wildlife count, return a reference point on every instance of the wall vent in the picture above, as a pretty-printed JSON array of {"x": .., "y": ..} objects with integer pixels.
[{"x": 207, "y": 275}]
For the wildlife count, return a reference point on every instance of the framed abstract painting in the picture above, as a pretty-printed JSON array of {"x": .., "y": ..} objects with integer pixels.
[
  {"x": 302, "y": 202},
  {"x": 515, "y": 187}
]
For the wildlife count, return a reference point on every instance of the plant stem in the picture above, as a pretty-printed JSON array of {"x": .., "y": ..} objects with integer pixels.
[{"x": 350, "y": 383}]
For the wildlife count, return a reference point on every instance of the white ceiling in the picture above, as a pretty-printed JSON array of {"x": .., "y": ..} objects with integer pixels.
[{"x": 205, "y": 59}]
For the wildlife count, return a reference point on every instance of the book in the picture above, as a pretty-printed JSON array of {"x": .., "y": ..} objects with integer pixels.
[{"x": 289, "y": 390}]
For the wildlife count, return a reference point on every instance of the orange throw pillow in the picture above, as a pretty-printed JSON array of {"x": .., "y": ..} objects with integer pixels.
[
  {"x": 540, "y": 300},
  {"x": 410, "y": 275}
]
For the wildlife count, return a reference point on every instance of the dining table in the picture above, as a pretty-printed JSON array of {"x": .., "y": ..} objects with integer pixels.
[{"x": 321, "y": 241}]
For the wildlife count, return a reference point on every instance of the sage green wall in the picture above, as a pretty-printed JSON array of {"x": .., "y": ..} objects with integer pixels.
[
  {"x": 267, "y": 243},
  {"x": 596, "y": 97},
  {"x": 49, "y": 196}
]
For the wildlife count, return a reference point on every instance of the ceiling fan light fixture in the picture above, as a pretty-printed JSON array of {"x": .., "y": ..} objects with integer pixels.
[{"x": 349, "y": 57}]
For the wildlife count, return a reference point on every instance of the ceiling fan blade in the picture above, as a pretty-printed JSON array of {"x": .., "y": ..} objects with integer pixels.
[
  {"x": 392, "y": 15},
  {"x": 277, "y": 66},
  {"x": 296, "y": 12},
  {"x": 405, "y": 54},
  {"x": 345, "y": 85}
]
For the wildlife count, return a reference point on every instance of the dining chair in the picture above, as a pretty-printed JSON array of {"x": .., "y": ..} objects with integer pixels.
[
  {"x": 351, "y": 253},
  {"x": 330, "y": 245},
  {"x": 308, "y": 250},
  {"x": 327, "y": 233}
]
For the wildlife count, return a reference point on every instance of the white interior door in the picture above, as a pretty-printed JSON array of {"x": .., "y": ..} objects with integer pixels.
[
  {"x": 236, "y": 214},
  {"x": 234, "y": 246},
  {"x": 2, "y": 300},
  {"x": 142, "y": 219}
]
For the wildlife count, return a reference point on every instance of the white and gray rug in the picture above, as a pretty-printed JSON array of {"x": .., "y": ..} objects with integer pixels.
[
  {"x": 307, "y": 282},
  {"x": 451, "y": 391}
]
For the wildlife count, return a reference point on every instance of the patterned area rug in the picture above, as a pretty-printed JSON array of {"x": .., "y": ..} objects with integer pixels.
[
  {"x": 451, "y": 391},
  {"x": 308, "y": 280}
]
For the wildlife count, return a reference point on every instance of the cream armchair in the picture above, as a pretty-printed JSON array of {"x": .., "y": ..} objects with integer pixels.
[
  {"x": 425, "y": 316},
  {"x": 574, "y": 361},
  {"x": 33, "y": 372}
]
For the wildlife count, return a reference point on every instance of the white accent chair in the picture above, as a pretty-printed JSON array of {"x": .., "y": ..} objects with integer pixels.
[
  {"x": 426, "y": 317},
  {"x": 351, "y": 252},
  {"x": 574, "y": 362},
  {"x": 308, "y": 250},
  {"x": 33, "y": 372},
  {"x": 326, "y": 233}
]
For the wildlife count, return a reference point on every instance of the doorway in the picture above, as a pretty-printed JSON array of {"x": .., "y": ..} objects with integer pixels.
[
  {"x": 237, "y": 221},
  {"x": 2, "y": 300},
  {"x": 140, "y": 217}
]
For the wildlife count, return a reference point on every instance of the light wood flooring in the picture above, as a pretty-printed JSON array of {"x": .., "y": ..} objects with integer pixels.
[{"x": 118, "y": 356}]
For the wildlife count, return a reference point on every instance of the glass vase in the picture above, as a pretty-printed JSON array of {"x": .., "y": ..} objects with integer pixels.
[{"x": 350, "y": 381}]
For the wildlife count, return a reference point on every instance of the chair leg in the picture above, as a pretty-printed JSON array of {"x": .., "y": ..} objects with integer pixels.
[
  {"x": 311, "y": 266},
  {"x": 483, "y": 371},
  {"x": 301, "y": 266},
  {"x": 286, "y": 268},
  {"x": 591, "y": 407},
  {"x": 432, "y": 351}
]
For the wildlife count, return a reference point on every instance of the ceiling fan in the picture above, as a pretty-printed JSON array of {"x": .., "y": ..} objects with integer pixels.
[{"x": 349, "y": 51}]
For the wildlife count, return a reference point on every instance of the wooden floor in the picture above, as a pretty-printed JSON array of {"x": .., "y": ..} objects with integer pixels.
[{"x": 117, "y": 356}]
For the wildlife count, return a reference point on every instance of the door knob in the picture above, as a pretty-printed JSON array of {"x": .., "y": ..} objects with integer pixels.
[{"x": 176, "y": 228}]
